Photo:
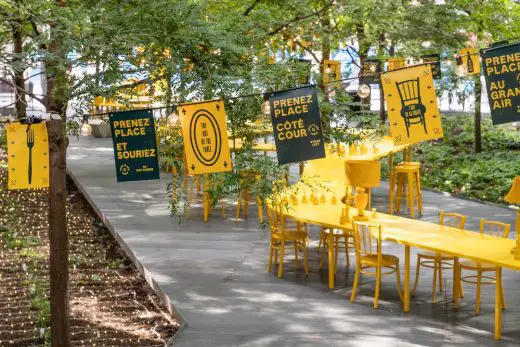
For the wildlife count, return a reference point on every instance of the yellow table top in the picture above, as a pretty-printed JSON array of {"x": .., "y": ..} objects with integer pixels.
[{"x": 430, "y": 236}]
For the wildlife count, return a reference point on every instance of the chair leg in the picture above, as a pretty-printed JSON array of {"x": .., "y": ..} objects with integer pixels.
[
  {"x": 391, "y": 182},
  {"x": 378, "y": 286},
  {"x": 296, "y": 260},
  {"x": 260, "y": 210},
  {"x": 399, "y": 289},
  {"x": 502, "y": 298},
  {"x": 399, "y": 193},
  {"x": 346, "y": 250},
  {"x": 410, "y": 196},
  {"x": 239, "y": 205},
  {"x": 417, "y": 272},
  {"x": 270, "y": 260},
  {"x": 322, "y": 239},
  {"x": 322, "y": 257},
  {"x": 280, "y": 265},
  {"x": 305, "y": 265},
  {"x": 441, "y": 288},
  {"x": 356, "y": 282},
  {"x": 246, "y": 203},
  {"x": 336, "y": 251},
  {"x": 434, "y": 285},
  {"x": 479, "y": 280}
]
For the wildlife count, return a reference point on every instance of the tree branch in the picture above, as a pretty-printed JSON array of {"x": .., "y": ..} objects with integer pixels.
[
  {"x": 251, "y": 7},
  {"x": 299, "y": 17}
]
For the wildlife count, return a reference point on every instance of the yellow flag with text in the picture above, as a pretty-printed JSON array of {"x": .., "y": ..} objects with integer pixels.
[
  {"x": 411, "y": 101},
  {"x": 395, "y": 63},
  {"x": 470, "y": 56},
  {"x": 205, "y": 136},
  {"x": 28, "y": 156}
]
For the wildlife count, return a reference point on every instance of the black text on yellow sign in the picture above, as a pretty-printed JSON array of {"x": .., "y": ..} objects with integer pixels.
[
  {"x": 28, "y": 156},
  {"x": 135, "y": 146},
  {"x": 411, "y": 101},
  {"x": 501, "y": 68},
  {"x": 470, "y": 57},
  {"x": 297, "y": 125},
  {"x": 331, "y": 71},
  {"x": 205, "y": 136}
]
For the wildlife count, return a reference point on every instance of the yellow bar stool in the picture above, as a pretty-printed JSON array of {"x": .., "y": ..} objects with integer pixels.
[
  {"x": 369, "y": 254},
  {"x": 407, "y": 177},
  {"x": 497, "y": 229},
  {"x": 438, "y": 261}
]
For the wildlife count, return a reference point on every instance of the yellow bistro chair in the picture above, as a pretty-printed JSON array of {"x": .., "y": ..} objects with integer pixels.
[
  {"x": 438, "y": 261},
  {"x": 281, "y": 236},
  {"x": 497, "y": 229},
  {"x": 370, "y": 255}
]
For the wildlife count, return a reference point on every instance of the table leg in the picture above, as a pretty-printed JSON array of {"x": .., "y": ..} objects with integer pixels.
[
  {"x": 406, "y": 304},
  {"x": 332, "y": 269},
  {"x": 498, "y": 309},
  {"x": 391, "y": 181},
  {"x": 456, "y": 283}
]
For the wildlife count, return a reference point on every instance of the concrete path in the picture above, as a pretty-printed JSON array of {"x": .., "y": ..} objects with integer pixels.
[{"x": 215, "y": 274}]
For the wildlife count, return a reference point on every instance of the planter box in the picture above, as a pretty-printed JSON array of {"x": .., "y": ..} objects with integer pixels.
[{"x": 101, "y": 130}]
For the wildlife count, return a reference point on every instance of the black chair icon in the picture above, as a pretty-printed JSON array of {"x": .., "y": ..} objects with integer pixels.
[{"x": 413, "y": 111}]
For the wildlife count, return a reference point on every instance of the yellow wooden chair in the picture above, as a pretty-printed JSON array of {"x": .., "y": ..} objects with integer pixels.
[
  {"x": 243, "y": 196},
  {"x": 497, "y": 229},
  {"x": 281, "y": 236},
  {"x": 370, "y": 255},
  {"x": 438, "y": 261}
]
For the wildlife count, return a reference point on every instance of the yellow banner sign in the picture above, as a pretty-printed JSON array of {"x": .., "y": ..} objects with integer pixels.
[
  {"x": 470, "y": 57},
  {"x": 331, "y": 71},
  {"x": 395, "y": 63},
  {"x": 28, "y": 151},
  {"x": 411, "y": 101},
  {"x": 204, "y": 131}
]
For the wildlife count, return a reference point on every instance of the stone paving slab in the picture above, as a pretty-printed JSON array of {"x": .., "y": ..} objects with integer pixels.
[{"x": 215, "y": 274}]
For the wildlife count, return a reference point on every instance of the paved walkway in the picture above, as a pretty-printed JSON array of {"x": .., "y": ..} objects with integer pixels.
[{"x": 215, "y": 274}]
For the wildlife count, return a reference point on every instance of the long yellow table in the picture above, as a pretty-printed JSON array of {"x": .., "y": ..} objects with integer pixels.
[{"x": 424, "y": 235}]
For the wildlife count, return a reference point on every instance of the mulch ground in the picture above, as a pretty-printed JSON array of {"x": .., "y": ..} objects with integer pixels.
[{"x": 110, "y": 302}]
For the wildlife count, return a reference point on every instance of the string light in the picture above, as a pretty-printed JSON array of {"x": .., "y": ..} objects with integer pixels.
[
  {"x": 461, "y": 69},
  {"x": 363, "y": 91}
]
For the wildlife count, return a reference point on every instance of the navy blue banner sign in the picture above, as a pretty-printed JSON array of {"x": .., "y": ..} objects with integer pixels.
[
  {"x": 370, "y": 71},
  {"x": 135, "y": 145},
  {"x": 501, "y": 67},
  {"x": 297, "y": 125}
]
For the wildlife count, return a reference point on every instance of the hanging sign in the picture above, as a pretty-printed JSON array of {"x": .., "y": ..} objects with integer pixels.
[
  {"x": 395, "y": 63},
  {"x": 370, "y": 71},
  {"x": 434, "y": 60},
  {"x": 297, "y": 125},
  {"x": 412, "y": 105},
  {"x": 332, "y": 71},
  {"x": 205, "y": 135},
  {"x": 502, "y": 72},
  {"x": 470, "y": 57},
  {"x": 135, "y": 145},
  {"x": 28, "y": 151}
]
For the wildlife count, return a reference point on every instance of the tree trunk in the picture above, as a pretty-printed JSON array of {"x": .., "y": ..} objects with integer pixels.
[
  {"x": 363, "y": 54},
  {"x": 477, "y": 136},
  {"x": 325, "y": 48},
  {"x": 58, "y": 236},
  {"x": 17, "y": 63},
  {"x": 380, "y": 53}
]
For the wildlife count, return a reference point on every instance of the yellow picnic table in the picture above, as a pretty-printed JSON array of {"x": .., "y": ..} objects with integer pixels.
[{"x": 414, "y": 233}]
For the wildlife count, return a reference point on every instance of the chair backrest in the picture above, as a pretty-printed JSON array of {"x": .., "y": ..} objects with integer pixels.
[
  {"x": 454, "y": 220},
  {"x": 409, "y": 91},
  {"x": 274, "y": 215},
  {"x": 367, "y": 238},
  {"x": 494, "y": 228}
]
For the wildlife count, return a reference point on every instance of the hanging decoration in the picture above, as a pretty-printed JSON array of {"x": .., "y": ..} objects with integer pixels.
[
  {"x": 331, "y": 71},
  {"x": 501, "y": 68},
  {"x": 461, "y": 69},
  {"x": 135, "y": 145},
  {"x": 434, "y": 60},
  {"x": 411, "y": 101},
  {"x": 363, "y": 91},
  {"x": 297, "y": 125},
  {"x": 28, "y": 151},
  {"x": 395, "y": 63},
  {"x": 370, "y": 71},
  {"x": 205, "y": 135},
  {"x": 470, "y": 58}
]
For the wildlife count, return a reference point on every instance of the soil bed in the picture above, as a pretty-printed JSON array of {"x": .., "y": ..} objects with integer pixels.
[{"x": 111, "y": 303}]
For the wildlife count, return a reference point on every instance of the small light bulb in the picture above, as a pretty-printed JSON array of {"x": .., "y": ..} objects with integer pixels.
[
  {"x": 373, "y": 68},
  {"x": 86, "y": 129},
  {"x": 461, "y": 70},
  {"x": 363, "y": 91},
  {"x": 266, "y": 107},
  {"x": 173, "y": 119}
]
